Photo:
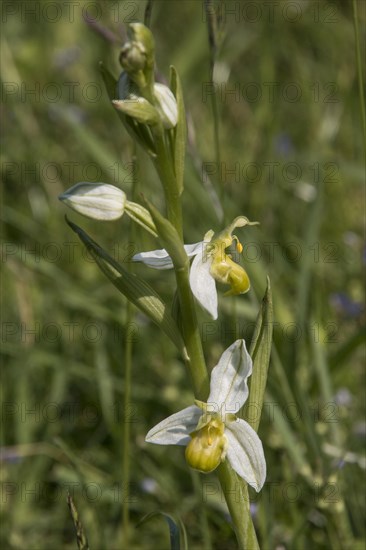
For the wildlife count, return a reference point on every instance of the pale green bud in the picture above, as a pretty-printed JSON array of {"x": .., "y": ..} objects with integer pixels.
[
  {"x": 99, "y": 201},
  {"x": 137, "y": 58},
  {"x": 143, "y": 36},
  {"x": 133, "y": 57},
  {"x": 166, "y": 105}
]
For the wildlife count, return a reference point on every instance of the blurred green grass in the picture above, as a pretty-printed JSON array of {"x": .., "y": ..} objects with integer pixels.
[{"x": 298, "y": 169}]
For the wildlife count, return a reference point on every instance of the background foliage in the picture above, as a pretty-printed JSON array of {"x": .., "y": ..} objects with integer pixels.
[{"x": 290, "y": 156}]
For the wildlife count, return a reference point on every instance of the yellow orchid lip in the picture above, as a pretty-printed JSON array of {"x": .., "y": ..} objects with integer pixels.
[
  {"x": 207, "y": 448},
  {"x": 223, "y": 269}
]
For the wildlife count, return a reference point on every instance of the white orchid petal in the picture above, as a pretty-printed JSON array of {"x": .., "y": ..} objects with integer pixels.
[
  {"x": 245, "y": 453},
  {"x": 160, "y": 259},
  {"x": 175, "y": 429},
  {"x": 193, "y": 249},
  {"x": 203, "y": 284},
  {"x": 228, "y": 387},
  {"x": 157, "y": 259}
]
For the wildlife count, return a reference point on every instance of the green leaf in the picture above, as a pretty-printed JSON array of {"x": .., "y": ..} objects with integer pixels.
[
  {"x": 180, "y": 131},
  {"x": 169, "y": 237},
  {"x": 140, "y": 293},
  {"x": 109, "y": 81},
  {"x": 140, "y": 132},
  {"x": 260, "y": 351},
  {"x": 173, "y": 529}
]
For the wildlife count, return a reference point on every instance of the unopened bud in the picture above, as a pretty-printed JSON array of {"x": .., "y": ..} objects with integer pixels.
[
  {"x": 99, "y": 201},
  {"x": 137, "y": 58},
  {"x": 142, "y": 35},
  {"x": 133, "y": 57}
]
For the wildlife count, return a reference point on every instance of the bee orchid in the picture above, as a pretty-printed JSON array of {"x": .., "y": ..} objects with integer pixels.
[
  {"x": 212, "y": 431},
  {"x": 210, "y": 263}
]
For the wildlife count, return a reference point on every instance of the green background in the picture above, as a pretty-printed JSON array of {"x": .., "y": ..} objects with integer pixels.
[{"x": 291, "y": 157}]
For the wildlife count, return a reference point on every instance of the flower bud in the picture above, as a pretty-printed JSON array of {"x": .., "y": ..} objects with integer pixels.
[
  {"x": 166, "y": 105},
  {"x": 137, "y": 58},
  {"x": 99, "y": 201},
  {"x": 133, "y": 57},
  {"x": 207, "y": 447}
]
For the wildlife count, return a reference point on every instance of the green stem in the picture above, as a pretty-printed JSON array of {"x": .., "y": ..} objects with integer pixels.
[
  {"x": 166, "y": 173},
  {"x": 237, "y": 499},
  {"x": 191, "y": 335}
]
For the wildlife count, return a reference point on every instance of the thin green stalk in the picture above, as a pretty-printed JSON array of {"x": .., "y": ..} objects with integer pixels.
[
  {"x": 212, "y": 38},
  {"x": 147, "y": 15},
  {"x": 359, "y": 71},
  {"x": 204, "y": 525},
  {"x": 127, "y": 426},
  {"x": 127, "y": 401}
]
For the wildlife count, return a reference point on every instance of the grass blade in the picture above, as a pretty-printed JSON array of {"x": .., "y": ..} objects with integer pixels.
[
  {"x": 140, "y": 293},
  {"x": 260, "y": 350}
]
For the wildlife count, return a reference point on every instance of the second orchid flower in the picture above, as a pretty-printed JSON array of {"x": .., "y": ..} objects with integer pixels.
[{"x": 211, "y": 263}]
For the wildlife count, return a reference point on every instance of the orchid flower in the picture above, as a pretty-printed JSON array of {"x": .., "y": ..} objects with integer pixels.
[
  {"x": 211, "y": 263},
  {"x": 211, "y": 431}
]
